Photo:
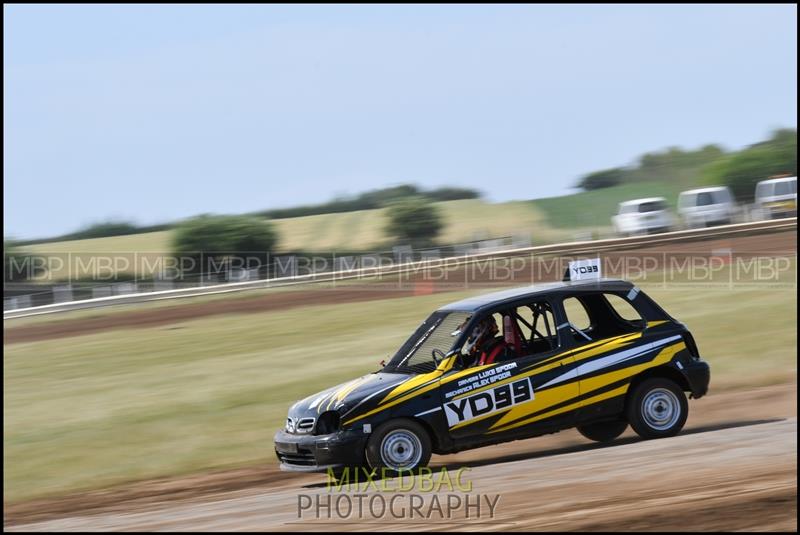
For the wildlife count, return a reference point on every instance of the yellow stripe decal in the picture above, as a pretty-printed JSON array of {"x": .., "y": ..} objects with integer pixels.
[
  {"x": 541, "y": 401},
  {"x": 548, "y": 397},
  {"x": 553, "y": 396},
  {"x": 606, "y": 395},
  {"x": 400, "y": 399},
  {"x": 405, "y": 391},
  {"x": 346, "y": 389},
  {"x": 594, "y": 383}
]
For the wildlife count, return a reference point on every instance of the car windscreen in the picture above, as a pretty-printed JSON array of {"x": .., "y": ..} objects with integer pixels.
[
  {"x": 440, "y": 331},
  {"x": 652, "y": 206}
]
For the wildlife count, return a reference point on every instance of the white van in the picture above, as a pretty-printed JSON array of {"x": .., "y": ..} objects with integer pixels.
[
  {"x": 642, "y": 216},
  {"x": 706, "y": 206},
  {"x": 777, "y": 197}
]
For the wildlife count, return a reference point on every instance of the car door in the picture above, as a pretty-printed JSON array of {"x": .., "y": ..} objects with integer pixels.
[
  {"x": 617, "y": 345},
  {"x": 531, "y": 391}
]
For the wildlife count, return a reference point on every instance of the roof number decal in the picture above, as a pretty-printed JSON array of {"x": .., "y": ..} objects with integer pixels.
[{"x": 585, "y": 269}]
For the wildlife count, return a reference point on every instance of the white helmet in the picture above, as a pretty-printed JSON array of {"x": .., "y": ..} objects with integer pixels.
[{"x": 486, "y": 328}]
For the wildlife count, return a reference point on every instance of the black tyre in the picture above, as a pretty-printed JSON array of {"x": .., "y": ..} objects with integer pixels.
[
  {"x": 397, "y": 445},
  {"x": 603, "y": 431},
  {"x": 657, "y": 408}
]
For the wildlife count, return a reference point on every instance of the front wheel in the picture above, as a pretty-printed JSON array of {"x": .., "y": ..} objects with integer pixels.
[
  {"x": 399, "y": 445},
  {"x": 603, "y": 431},
  {"x": 657, "y": 408}
]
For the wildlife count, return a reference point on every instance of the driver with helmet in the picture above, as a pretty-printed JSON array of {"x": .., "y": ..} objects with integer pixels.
[{"x": 484, "y": 346}]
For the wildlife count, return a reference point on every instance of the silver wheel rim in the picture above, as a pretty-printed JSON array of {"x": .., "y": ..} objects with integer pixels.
[
  {"x": 401, "y": 449},
  {"x": 661, "y": 409}
]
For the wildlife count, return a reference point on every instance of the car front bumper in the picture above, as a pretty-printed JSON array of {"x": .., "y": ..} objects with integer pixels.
[{"x": 309, "y": 453}]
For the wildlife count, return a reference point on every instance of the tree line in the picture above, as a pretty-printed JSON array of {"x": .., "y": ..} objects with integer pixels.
[
  {"x": 369, "y": 200},
  {"x": 709, "y": 165}
]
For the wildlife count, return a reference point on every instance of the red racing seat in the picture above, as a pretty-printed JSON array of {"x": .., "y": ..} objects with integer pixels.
[{"x": 512, "y": 334}]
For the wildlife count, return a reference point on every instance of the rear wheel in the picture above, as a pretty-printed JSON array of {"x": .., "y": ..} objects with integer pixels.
[
  {"x": 399, "y": 445},
  {"x": 657, "y": 408},
  {"x": 603, "y": 431}
]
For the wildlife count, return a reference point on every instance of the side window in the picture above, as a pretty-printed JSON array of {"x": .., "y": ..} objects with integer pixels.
[
  {"x": 783, "y": 188},
  {"x": 624, "y": 310},
  {"x": 595, "y": 316},
  {"x": 537, "y": 328},
  {"x": 580, "y": 328},
  {"x": 524, "y": 331},
  {"x": 498, "y": 320},
  {"x": 577, "y": 314},
  {"x": 525, "y": 322},
  {"x": 704, "y": 199}
]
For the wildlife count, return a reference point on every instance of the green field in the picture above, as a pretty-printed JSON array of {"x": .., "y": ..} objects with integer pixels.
[
  {"x": 156, "y": 242},
  {"x": 102, "y": 409},
  {"x": 593, "y": 209},
  {"x": 542, "y": 221},
  {"x": 465, "y": 220}
]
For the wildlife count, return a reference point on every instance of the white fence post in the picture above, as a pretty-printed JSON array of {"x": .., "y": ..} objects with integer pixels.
[
  {"x": 62, "y": 294},
  {"x": 402, "y": 253}
]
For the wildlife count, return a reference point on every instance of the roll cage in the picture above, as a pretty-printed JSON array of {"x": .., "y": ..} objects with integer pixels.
[{"x": 447, "y": 329}]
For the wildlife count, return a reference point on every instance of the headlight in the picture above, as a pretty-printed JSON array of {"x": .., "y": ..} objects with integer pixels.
[{"x": 327, "y": 423}]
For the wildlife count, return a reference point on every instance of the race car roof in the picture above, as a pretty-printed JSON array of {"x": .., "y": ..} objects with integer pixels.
[{"x": 474, "y": 304}]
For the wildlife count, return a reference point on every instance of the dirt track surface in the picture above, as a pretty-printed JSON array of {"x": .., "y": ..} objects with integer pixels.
[
  {"x": 767, "y": 244},
  {"x": 174, "y": 314},
  {"x": 734, "y": 467}
]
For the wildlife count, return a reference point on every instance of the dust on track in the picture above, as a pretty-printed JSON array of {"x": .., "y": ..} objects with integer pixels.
[{"x": 763, "y": 244}]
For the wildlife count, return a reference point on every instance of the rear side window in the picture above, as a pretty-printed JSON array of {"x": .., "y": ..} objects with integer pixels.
[
  {"x": 623, "y": 308},
  {"x": 599, "y": 315},
  {"x": 577, "y": 314},
  {"x": 783, "y": 188},
  {"x": 704, "y": 199}
]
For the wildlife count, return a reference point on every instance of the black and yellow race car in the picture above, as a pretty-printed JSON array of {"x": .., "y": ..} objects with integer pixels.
[{"x": 597, "y": 354}]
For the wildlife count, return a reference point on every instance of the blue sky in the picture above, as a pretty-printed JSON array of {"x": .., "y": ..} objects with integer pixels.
[{"x": 155, "y": 113}]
